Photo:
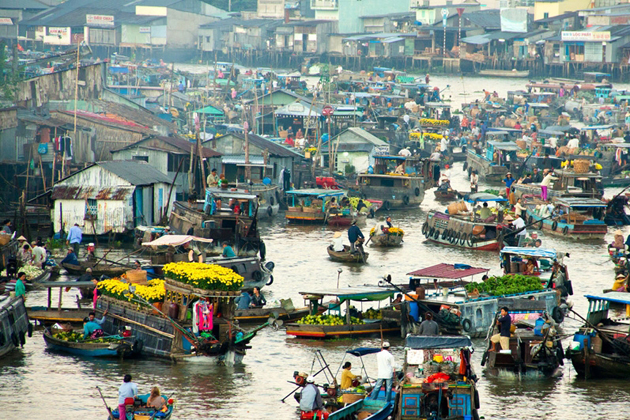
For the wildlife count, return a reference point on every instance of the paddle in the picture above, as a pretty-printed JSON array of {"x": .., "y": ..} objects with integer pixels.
[{"x": 109, "y": 410}]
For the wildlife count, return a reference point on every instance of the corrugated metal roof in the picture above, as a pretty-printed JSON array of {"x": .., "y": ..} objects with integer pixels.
[
  {"x": 83, "y": 192},
  {"x": 487, "y": 19},
  {"x": 368, "y": 137},
  {"x": 447, "y": 271},
  {"x": 262, "y": 143},
  {"x": 137, "y": 173},
  {"x": 240, "y": 160}
]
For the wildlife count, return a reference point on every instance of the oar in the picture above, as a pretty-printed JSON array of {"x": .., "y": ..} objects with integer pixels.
[{"x": 109, "y": 410}]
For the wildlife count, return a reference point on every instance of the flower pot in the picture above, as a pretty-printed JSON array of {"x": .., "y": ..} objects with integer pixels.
[{"x": 158, "y": 306}]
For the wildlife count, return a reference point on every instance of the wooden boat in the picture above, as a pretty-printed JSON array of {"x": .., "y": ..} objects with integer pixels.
[
  {"x": 386, "y": 240},
  {"x": 347, "y": 328},
  {"x": 90, "y": 348},
  {"x": 397, "y": 191},
  {"x": 141, "y": 412},
  {"x": 446, "y": 194},
  {"x": 286, "y": 312},
  {"x": 581, "y": 218},
  {"x": 602, "y": 351},
  {"x": 568, "y": 184},
  {"x": 309, "y": 206},
  {"x": 533, "y": 353},
  {"x": 455, "y": 398},
  {"x": 489, "y": 169},
  {"x": 366, "y": 409},
  {"x": 458, "y": 230},
  {"x": 14, "y": 324},
  {"x": 346, "y": 256},
  {"x": 504, "y": 73},
  {"x": 97, "y": 269}
]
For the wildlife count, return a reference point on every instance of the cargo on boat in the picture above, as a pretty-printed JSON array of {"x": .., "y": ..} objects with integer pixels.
[
  {"x": 572, "y": 218},
  {"x": 14, "y": 324}
]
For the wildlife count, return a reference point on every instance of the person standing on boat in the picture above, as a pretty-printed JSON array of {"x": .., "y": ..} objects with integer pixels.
[
  {"x": 20, "y": 289},
  {"x": 213, "y": 179},
  {"x": 537, "y": 176},
  {"x": 429, "y": 326},
  {"x": 127, "y": 390},
  {"x": 39, "y": 255},
  {"x": 508, "y": 181},
  {"x": 503, "y": 337},
  {"x": 519, "y": 224},
  {"x": 75, "y": 236},
  {"x": 310, "y": 398},
  {"x": 544, "y": 185},
  {"x": 520, "y": 209},
  {"x": 354, "y": 233},
  {"x": 386, "y": 362},
  {"x": 474, "y": 181},
  {"x": 347, "y": 377}
]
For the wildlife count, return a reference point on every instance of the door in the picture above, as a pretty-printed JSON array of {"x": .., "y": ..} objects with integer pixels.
[{"x": 138, "y": 203}]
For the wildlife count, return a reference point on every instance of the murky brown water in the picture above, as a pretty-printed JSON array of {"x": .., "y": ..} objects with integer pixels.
[{"x": 37, "y": 384}]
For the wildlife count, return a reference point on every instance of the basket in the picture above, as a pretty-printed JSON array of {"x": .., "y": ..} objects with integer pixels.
[
  {"x": 350, "y": 398},
  {"x": 136, "y": 276},
  {"x": 522, "y": 144},
  {"x": 580, "y": 166},
  {"x": 4, "y": 239}
]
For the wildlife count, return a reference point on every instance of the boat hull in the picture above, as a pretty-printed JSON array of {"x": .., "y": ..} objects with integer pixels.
[
  {"x": 487, "y": 171},
  {"x": 386, "y": 240},
  {"x": 83, "y": 349},
  {"x": 578, "y": 232},
  {"x": 595, "y": 365},
  {"x": 258, "y": 315},
  {"x": 346, "y": 257},
  {"x": 97, "y": 270},
  {"x": 16, "y": 330},
  {"x": 444, "y": 229},
  {"x": 341, "y": 331}
]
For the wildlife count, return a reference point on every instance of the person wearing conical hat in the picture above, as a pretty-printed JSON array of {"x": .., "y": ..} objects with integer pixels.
[{"x": 337, "y": 242}]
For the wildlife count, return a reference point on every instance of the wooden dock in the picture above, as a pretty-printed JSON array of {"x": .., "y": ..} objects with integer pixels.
[{"x": 49, "y": 315}]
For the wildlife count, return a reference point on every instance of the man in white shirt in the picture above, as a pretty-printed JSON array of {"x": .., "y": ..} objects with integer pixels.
[
  {"x": 386, "y": 362},
  {"x": 573, "y": 143},
  {"x": 519, "y": 223},
  {"x": 39, "y": 255},
  {"x": 127, "y": 390},
  {"x": 337, "y": 242}
]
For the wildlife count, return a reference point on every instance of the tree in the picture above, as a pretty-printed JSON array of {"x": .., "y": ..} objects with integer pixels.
[{"x": 9, "y": 75}]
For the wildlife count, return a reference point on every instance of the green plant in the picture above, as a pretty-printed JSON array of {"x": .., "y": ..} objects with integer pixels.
[
  {"x": 350, "y": 169},
  {"x": 52, "y": 243}
]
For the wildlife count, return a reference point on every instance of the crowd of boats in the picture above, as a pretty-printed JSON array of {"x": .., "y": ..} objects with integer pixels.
[{"x": 195, "y": 292}]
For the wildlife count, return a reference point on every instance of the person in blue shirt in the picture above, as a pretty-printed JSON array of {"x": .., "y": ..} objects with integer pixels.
[
  {"x": 243, "y": 300},
  {"x": 92, "y": 326},
  {"x": 75, "y": 236},
  {"x": 508, "y": 181},
  {"x": 228, "y": 252},
  {"x": 71, "y": 258},
  {"x": 354, "y": 233}
]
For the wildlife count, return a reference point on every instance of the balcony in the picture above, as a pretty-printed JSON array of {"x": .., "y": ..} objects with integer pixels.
[{"x": 324, "y": 5}]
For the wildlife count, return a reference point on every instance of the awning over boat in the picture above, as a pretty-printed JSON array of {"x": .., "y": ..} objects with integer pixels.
[
  {"x": 362, "y": 351},
  {"x": 617, "y": 297},
  {"x": 353, "y": 293},
  {"x": 317, "y": 192},
  {"x": 448, "y": 271},
  {"x": 419, "y": 342},
  {"x": 597, "y": 127},
  {"x": 530, "y": 252},
  {"x": 580, "y": 202},
  {"x": 508, "y": 146},
  {"x": 175, "y": 240}
]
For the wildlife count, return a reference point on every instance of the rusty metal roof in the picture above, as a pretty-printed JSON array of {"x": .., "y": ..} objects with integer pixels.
[
  {"x": 448, "y": 271},
  {"x": 82, "y": 192}
]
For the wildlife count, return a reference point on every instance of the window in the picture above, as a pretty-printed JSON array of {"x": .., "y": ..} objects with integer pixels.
[
  {"x": 545, "y": 15},
  {"x": 173, "y": 162},
  {"x": 91, "y": 209},
  {"x": 141, "y": 158}
]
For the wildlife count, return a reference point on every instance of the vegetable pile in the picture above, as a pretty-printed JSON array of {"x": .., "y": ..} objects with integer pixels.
[
  {"x": 327, "y": 320},
  {"x": 76, "y": 336},
  {"x": 372, "y": 314},
  {"x": 506, "y": 285}
]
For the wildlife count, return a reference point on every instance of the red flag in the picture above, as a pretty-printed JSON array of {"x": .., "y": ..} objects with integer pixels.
[{"x": 20, "y": 48}]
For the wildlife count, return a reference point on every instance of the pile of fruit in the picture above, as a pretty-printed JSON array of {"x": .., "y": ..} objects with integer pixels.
[
  {"x": 434, "y": 122},
  {"x": 506, "y": 285},
  {"x": 354, "y": 201},
  {"x": 68, "y": 335},
  {"x": 31, "y": 272},
  {"x": 327, "y": 320},
  {"x": 372, "y": 314}
]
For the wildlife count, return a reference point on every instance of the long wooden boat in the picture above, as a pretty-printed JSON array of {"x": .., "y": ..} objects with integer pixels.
[
  {"x": 346, "y": 256},
  {"x": 386, "y": 240},
  {"x": 602, "y": 352},
  {"x": 397, "y": 191},
  {"x": 14, "y": 324},
  {"x": 490, "y": 170},
  {"x": 348, "y": 328},
  {"x": 121, "y": 348},
  {"x": 97, "y": 269},
  {"x": 568, "y": 184},
  {"x": 504, "y": 73},
  {"x": 446, "y": 195},
  {"x": 581, "y": 218},
  {"x": 144, "y": 413},
  {"x": 259, "y": 315},
  {"x": 43, "y": 277},
  {"x": 309, "y": 207}
]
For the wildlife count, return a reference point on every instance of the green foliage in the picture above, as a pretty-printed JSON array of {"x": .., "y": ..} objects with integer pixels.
[
  {"x": 350, "y": 169},
  {"x": 506, "y": 285},
  {"x": 52, "y": 243},
  {"x": 9, "y": 78}
]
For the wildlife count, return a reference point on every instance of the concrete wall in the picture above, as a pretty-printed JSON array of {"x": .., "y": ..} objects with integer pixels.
[
  {"x": 183, "y": 28},
  {"x": 350, "y": 10},
  {"x": 130, "y": 34},
  {"x": 558, "y": 8}
]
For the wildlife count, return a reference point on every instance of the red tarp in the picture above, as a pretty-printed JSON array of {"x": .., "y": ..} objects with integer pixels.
[{"x": 447, "y": 271}]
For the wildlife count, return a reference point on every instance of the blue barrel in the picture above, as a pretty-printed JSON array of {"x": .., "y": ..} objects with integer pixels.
[{"x": 414, "y": 311}]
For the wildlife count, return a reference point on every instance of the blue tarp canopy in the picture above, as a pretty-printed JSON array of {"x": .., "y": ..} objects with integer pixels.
[
  {"x": 362, "y": 351},
  {"x": 617, "y": 297},
  {"x": 421, "y": 342},
  {"x": 530, "y": 252},
  {"x": 508, "y": 146},
  {"x": 317, "y": 192},
  {"x": 481, "y": 197}
]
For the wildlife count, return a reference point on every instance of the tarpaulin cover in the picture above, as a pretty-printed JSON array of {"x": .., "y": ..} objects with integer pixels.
[
  {"x": 362, "y": 351},
  {"x": 530, "y": 252},
  {"x": 175, "y": 240},
  {"x": 420, "y": 342}
]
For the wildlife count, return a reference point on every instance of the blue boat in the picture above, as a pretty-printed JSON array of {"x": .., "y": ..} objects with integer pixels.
[
  {"x": 146, "y": 413},
  {"x": 89, "y": 348},
  {"x": 377, "y": 409}
]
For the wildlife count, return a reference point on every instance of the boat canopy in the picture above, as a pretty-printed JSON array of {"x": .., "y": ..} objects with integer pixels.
[
  {"x": 502, "y": 130},
  {"x": 241, "y": 195},
  {"x": 448, "y": 271},
  {"x": 618, "y": 145},
  {"x": 508, "y": 146},
  {"x": 483, "y": 197},
  {"x": 175, "y": 240},
  {"x": 353, "y": 293},
  {"x": 317, "y": 192},
  {"x": 363, "y": 351},
  {"x": 597, "y": 127},
  {"x": 421, "y": 342},
  {"x": 617, "y": 297},
  {"x": 436, "y": 105},
  {"x": 580, "y": 202},
  {"x": 530, "y": 252}
]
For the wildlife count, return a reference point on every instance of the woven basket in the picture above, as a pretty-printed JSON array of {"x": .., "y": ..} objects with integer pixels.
[
  {"x": 580, "y": 166},
  {"x": 136, "y": 276},
  {"x": 4, "y": 239}
]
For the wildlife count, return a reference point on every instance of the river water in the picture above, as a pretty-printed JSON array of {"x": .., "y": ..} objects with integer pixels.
[{"x": 38, "y": 384}]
